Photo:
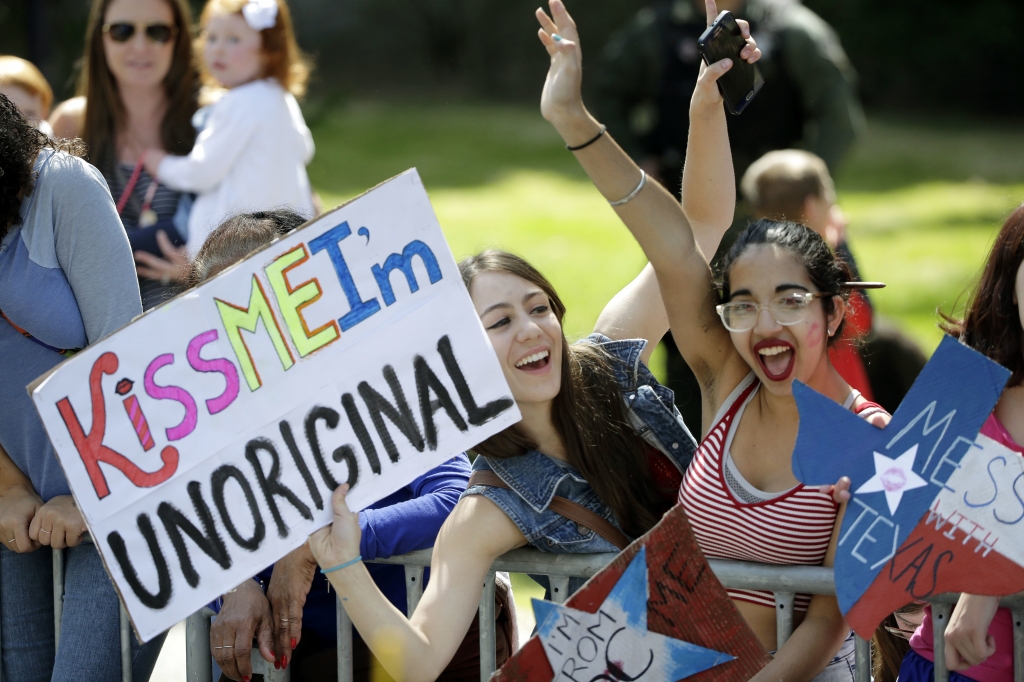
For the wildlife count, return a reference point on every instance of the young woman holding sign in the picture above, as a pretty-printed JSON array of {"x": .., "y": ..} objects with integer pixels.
[
  {"x": 600, "y": 450},
  {"x": 979, "y": 638},
  {"x": 66, "y": 280},
  {"x": 783, "y": 298}
]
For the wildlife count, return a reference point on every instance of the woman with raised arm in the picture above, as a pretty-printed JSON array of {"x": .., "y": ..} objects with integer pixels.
[
  {"x": 597, "y": 431},
  {"x": 979, "y": 637},
  {"x": 783, "y": 296}
]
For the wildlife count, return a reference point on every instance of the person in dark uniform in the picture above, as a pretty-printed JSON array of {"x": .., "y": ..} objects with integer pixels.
[{"x": 648, "y": 72}]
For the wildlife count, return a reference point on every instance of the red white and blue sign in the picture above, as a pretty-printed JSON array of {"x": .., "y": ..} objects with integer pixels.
[{"x": 935, "y": 506}]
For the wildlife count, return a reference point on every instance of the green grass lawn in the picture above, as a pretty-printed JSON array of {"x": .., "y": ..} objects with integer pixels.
[{"x": 924, "y": 202}]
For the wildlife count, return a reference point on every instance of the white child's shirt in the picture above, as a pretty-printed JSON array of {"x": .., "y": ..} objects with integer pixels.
[{"x": 251, "y": 156}]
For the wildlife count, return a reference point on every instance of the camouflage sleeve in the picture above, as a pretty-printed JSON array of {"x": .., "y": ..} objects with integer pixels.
[
  {"x": 827, "y": 82},
  {"x": 626, "y": 80}
]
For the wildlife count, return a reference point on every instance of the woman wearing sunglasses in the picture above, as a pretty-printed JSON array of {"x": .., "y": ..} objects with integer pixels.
[
  {"x": 783, "y": 296},
  {"x": 138, "y": 91}
]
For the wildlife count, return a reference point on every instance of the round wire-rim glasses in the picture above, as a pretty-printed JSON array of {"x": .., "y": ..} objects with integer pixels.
[{"x": 786, "y": 310}]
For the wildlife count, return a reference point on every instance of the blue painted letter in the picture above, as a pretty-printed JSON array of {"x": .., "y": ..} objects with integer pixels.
[
  {"x": 403, "y": 262},
  {"x": 360, "y": 309}
]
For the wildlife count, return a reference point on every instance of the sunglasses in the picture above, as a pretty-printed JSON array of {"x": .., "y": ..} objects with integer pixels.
[{"x": 158, "y": 33}]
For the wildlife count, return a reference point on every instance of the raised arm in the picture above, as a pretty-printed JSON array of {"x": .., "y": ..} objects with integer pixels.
[
  {"x": 476, "y": 533},
  {"x": 673, "y": 246}
]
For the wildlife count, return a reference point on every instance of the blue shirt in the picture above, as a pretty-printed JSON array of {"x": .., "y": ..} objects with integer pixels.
[
  {"x": 402, "y": 522},
  {"x": 67, "y": 277}
]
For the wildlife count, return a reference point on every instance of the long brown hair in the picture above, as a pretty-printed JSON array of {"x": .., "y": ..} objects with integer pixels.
[
  {"x": 588, "y": 413},
  {"x": 992, "y": 323},
  {"x": 283, "y": 60},
  {"x": 104, "y": 111}
]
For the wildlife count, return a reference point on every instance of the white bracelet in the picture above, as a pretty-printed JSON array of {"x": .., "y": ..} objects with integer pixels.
[{"x": 629, "y": 197}]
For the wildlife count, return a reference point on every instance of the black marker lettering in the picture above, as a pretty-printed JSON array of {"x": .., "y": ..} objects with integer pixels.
[
  {"x": 345, "y": 452},
  {"x": 207, "y": 540},
  {"x": 477, "y": 415},
  {"x": 354, "y": 418},
  {"x": 217, "y": 482},
  {"x": 427, "y": 381},
  {"x": 271, "y": 484},
  {"x": 300, "y": 463},
  {"x": 329, "y": 417},
  {"x": 401, "y": 416},
  {"x": 163, "y": 594}
]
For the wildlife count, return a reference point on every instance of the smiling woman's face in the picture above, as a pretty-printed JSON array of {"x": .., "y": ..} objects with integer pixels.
[
  {"x": 777, "y": 353},
  {"x": 139, "y": 61},
  {"x": 524, "y": 331}
]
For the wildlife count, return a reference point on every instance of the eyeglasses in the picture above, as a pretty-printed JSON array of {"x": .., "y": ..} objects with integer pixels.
[
  {"x": 741, "y": 316},
  {"x": 122, "y": 32}
]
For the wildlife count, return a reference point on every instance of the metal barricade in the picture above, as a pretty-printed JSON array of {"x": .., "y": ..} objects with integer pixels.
[
  {"x": 58, "y": 614},
  {"x": 785, "y": 582}
]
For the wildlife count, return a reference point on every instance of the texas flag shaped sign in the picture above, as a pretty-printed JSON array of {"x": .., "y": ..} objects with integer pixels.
[{"x": 935, "y": 506}]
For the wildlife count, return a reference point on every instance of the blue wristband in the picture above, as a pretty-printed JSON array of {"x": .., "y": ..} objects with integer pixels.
[{"x": 341, "y": 566}]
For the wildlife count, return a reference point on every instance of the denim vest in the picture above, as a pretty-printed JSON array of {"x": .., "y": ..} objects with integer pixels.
[{"x": 534, "y": 478}]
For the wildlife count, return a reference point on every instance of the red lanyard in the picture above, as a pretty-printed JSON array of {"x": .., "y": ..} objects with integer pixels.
[{"x": 147, "y": 216}]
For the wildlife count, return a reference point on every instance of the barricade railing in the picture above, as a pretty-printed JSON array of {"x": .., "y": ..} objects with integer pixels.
[{"x": 784, "y": 581}]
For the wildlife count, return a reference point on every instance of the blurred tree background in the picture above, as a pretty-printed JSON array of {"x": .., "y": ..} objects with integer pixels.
[{"x": 912, "y": 55}]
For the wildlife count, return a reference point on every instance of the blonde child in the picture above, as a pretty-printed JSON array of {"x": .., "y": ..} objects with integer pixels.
[
  {"x": 24, "y": 85},
  {"x": 254, "y": 147}
]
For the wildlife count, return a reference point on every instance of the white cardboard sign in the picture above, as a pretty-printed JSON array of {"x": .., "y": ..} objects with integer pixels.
[{"x": 203, "y": 441}]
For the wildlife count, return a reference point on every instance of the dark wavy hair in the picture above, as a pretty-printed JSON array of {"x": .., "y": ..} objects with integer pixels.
[
  {"x": 588, "y": 413},
  {"x": 991, "y": 324},
  {"x": 20, "y": 142},
  {"x": 104, "y": 112},
  {"x": 827, "y": 271}
]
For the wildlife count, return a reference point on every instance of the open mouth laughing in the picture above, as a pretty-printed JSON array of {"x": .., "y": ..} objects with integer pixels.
[
  {"x": 776, "y": 358},
  {"x": 534, "y": 362}
]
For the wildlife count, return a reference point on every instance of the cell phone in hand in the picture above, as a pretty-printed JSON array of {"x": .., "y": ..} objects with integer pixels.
[{"x": 723, "y": 39}]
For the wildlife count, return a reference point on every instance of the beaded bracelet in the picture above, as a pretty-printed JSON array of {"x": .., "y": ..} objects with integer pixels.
[{"x": 341, "y": 566}]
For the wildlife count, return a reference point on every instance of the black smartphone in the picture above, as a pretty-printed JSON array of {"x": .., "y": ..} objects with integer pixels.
[{"x": 723, "y": 39}]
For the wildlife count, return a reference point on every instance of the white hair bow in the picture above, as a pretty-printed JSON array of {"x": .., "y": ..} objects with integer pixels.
[{"x": 260, "y": 14}]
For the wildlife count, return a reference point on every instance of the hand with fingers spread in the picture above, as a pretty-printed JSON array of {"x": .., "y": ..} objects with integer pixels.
[
  {"x": 289, "y": 585},
  {"x": 58, "y": 523},
  {"x": 706, "y": 94},
  {"x": 968, "y": 642},
  {"x": 18, "y": 506},
  {"x": 244, "y": 615},
  {"x": 337, "y": 543},
  {"x": 561, "y": 98},
  {"x": 174, "y": 267}
]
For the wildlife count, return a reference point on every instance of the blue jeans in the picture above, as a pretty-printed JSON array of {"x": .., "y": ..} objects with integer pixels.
[{"x": 90, "y": 639}]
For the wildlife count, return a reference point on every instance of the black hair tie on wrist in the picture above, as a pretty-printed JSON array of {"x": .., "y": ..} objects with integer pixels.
[{"x": 589, "y": 142}]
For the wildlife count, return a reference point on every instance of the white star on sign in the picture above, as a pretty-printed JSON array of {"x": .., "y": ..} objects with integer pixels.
[
  {"x": 614, "y": 644},
  {"x": 893, "y": 477}
]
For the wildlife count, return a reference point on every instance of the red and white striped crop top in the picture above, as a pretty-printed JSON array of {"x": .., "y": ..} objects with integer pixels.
[{"x": 792, "y": 527}]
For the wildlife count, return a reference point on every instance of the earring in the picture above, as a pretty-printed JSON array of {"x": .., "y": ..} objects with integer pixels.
[{"x": 831, "y": 332}]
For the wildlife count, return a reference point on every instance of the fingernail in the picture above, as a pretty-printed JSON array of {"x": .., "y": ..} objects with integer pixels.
[
  {"x": 293, "y": 642},
  {"x": 277, "y": 664},
  {"x": 284, "y": 662},
  {"x": 557, "y": 37},
  {"x": 726, "y": 62},
  {"x": 245, "y": 678}
]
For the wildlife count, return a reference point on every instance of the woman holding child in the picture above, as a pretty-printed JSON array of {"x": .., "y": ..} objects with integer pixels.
[{"x": 138, "y": 91}]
